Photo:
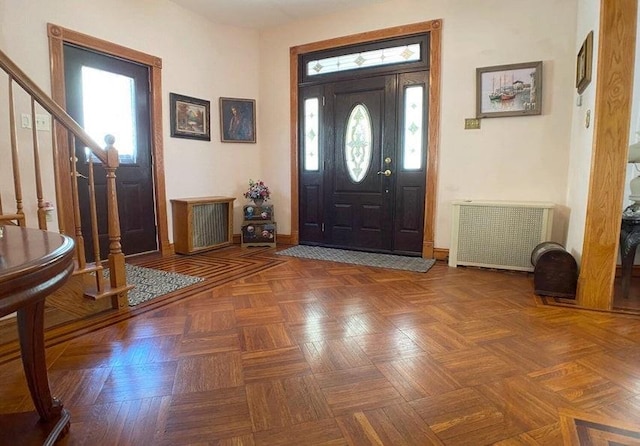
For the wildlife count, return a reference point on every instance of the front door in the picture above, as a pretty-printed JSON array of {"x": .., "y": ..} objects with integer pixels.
[
  {"x": 108, "y": 95},
  {"x": 367, "y": 190}
]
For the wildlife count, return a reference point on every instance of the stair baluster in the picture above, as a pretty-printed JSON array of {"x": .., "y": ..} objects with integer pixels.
[
  {"x": 94, "y": 229},
  {"x": 19, "y": 216},
  {"x": 77, "y": 218},
  {"x": 42, "y": 214}
]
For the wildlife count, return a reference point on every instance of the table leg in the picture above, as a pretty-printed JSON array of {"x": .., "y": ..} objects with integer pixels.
[{"x": 31, "y": 333}]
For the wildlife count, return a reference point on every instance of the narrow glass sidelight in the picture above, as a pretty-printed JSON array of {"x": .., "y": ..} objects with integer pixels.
[
  {"x": 357, "y": 143},
  {"x": 108, "y": 104},
  {"x": 311, "y": 134},
  {"x": 413, "y": 118}
]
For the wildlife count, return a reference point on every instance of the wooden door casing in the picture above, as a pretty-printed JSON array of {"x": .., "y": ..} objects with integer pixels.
[{"x": 58, "y": 37}]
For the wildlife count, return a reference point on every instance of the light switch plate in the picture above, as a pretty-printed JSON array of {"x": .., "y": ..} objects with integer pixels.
[
  {"x": 471, "y": 123},
  {"x": 25, "y": 120}
]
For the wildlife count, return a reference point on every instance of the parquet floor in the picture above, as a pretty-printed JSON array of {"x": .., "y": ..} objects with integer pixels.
[{"x": 302, "y": 352}]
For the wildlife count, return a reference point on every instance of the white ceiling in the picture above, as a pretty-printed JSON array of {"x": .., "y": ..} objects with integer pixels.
[{"x": 266, "y": 13}]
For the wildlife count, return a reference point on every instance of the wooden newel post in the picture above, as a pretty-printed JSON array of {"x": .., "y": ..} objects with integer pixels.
[{"x": 117, "y": 277}]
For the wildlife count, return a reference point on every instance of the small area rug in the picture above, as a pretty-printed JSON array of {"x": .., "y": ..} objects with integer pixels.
[
  {"x": 151, "y": 283},
  {"x": 416, "y": 264}
]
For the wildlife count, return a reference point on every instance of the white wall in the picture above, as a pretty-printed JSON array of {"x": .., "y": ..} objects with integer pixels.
[
  {"x": 519, "y": 158},
  {"x": 515, "y": 158},
  {"x": 588, "y": 16},
  {"x": 199, "y": 59}
]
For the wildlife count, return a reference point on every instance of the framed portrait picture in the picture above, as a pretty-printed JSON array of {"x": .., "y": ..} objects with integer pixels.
[
  {"x": 583, "y": 63},
  {"x": 509, "y": 90},
  {"x": 237, "y": 120},
  {"x": 190, "y": 117}
]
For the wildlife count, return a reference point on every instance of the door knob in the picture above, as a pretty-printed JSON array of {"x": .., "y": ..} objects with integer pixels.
[{"x": 386, "y": 173}]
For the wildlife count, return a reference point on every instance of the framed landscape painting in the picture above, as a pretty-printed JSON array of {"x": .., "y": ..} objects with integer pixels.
[
  {"x": 190, "y": 117},
  {"x": 509, "y": 90}
]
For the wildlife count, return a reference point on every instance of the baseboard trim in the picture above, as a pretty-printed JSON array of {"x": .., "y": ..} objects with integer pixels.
[
  {"x": 441, "y": 254},
  {"x": 287, "y": 239},
  {"x": 635, "y": 271}
]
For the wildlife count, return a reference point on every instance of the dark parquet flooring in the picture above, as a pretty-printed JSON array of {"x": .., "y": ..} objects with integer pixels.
[{"x": 273, "y": 350}]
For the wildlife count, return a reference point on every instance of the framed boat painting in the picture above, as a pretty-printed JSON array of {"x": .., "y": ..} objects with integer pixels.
[{"x": 509, "y": 90}]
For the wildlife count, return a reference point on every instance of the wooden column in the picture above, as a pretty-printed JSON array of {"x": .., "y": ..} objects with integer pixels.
[{"x": 614, "y": 86}]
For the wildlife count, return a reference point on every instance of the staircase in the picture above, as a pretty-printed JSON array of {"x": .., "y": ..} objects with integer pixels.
[{"x": 23, "y": 173}]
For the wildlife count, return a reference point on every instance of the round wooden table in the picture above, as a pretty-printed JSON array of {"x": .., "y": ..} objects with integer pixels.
[{"x": 33, "y": 263}]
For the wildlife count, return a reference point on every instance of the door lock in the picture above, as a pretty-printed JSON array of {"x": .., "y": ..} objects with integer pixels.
[{"x": 386, "y": 173}]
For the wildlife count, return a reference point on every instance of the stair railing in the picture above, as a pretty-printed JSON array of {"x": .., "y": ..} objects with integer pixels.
[{"x": 108, "y": 157}]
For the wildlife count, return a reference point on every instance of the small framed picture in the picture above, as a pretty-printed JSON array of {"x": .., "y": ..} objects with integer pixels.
[
  {"x": 237, "y": 120},
  {"x": 190, "y": 117},
  {"x": 509, "y": 90},
  {"x": 583, "y": 63}
]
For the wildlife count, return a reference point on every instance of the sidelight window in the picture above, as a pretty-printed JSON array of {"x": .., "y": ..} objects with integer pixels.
[
  {"x": 311, "y": 134},
  {"x": 413, "y": 132}
]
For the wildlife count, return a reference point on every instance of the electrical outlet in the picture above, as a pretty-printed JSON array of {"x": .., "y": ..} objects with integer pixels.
[
  {"x": 43, "y": 122},
  {"x": 26, "y": 121}
]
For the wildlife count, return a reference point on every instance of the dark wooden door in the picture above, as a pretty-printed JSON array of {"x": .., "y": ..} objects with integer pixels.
[
  {"x": 359, "y": 205},
  {"x": 368, "y": 190},
  {"x": 124, "y": 112}
]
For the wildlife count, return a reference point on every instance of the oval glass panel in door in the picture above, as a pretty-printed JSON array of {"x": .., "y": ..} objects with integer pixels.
[{"x": 357, "y": 143}]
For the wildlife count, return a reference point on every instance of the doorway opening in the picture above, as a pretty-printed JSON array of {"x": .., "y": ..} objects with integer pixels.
[{"x": 151, "y": 66}]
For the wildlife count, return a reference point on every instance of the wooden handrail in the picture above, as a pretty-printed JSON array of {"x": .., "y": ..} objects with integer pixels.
[{"x": 49, "y": 105}]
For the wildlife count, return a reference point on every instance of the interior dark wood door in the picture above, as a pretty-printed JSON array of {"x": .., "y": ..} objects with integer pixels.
[
  {"x": 367, "y": 192},
  {"x": 134, "y": 180}
]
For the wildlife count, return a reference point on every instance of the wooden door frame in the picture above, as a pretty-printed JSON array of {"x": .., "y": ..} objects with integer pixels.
[
  {"x": 58, "y": 36},
  {"x": 434, "y": 28},
  {"x": 614, "y": 92}
]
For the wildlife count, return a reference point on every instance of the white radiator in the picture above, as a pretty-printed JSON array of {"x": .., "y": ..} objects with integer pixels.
[{"x": 498, "y": 234}]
